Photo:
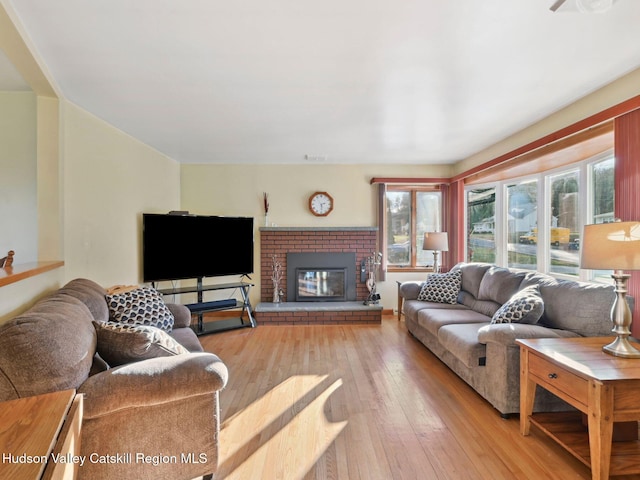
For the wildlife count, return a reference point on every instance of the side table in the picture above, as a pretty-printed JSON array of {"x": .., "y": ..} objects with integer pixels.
[
  {"x": 604, "y": 387},
  {"x": 35, "y": 429}
]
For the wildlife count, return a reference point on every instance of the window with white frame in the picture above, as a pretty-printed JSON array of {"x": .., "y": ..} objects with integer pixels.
[
  {"x": 481, "y": 225},
  {"x": 504, "y": 218},
  {"x": 522, "y": 224}
]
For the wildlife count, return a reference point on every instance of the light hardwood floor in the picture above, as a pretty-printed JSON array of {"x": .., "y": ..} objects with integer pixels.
[{"x": 364, "y": 403}]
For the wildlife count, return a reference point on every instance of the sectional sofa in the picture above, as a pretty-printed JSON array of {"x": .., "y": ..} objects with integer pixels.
[
  {"x": 148, "y": 399},
  {"x": 484, "y": 354}
]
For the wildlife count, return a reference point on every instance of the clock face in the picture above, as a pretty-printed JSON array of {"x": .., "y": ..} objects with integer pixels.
[{"x": 321, "y": 204}]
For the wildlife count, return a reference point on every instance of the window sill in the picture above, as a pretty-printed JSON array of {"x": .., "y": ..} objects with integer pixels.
[
  {"x": 409, "y": 269},
  {"x": 13, "y": 274}
]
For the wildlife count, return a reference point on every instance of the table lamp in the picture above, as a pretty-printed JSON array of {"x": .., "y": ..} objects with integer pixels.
[
  {"x": 436, "y": 241},
  {"x": 615, "y": 246}
]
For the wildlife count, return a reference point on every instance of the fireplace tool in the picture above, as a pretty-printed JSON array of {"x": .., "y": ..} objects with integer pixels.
[{"x": 373, "y": 262}]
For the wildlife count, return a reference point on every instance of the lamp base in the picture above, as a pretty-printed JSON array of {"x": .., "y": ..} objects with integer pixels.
[{"x": 621, "y": 347}]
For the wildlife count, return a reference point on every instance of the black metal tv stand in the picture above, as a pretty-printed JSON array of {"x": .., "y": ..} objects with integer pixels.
[{"x": 200, "y": 307}]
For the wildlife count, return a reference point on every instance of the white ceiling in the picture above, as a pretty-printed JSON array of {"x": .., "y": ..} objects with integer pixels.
[{"x": 357, "y": 81}]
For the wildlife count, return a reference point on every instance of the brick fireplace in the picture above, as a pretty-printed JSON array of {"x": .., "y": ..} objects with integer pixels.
[{"x": 283, "y": 240}]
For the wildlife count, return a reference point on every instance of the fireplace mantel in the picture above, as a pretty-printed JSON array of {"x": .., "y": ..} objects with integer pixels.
[{"x": 318, "y": 229}]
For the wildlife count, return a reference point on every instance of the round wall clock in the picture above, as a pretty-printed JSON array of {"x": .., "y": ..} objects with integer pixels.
[{"x": 321, "y": 204}]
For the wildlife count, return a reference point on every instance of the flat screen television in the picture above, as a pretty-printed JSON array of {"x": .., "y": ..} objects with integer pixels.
[{"x": 176, "y": 247}]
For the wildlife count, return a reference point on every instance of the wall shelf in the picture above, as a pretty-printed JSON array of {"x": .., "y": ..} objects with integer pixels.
[{"x": 15, "y": 273}]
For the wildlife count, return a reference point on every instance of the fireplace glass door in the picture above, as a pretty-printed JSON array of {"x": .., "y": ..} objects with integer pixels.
[{"x": 316, "y": 285}]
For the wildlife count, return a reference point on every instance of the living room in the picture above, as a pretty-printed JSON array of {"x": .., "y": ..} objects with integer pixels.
[{"x": 85, "y": 206}]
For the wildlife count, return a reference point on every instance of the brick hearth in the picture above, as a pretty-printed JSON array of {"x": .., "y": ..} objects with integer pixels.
[{"x": 283, "y": 240}]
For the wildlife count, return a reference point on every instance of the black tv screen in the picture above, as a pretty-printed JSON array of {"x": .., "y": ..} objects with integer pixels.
[{"x": 177, "y": 247}]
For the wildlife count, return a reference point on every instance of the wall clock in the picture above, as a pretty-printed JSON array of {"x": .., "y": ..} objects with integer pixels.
[{"x": 321, "y": 204}]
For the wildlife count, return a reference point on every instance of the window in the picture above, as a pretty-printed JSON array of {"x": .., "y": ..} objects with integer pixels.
[
  {"x": 602, "y": 187},
  {"x": 481, "y": 225},
  {"x": 504, "y": 220},
  {"x": 564, "y": 222},
  {"x": 410, "y": 212},
  {"x": 522, "y": 224}
]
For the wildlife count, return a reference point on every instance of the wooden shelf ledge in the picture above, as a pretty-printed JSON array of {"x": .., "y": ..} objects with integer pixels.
[{"x": 15, "y": 273}]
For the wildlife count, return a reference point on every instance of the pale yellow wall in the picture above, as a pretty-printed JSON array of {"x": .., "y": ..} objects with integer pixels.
[
  {"x": 47, "y": 214},
  {"x": 18, "y": 183},
  {"x": 110, "y": 179},
  {"x": 50, "y": 221},
  {"x": 612, "y": 94},
  {"x": 236, "y": 190}
]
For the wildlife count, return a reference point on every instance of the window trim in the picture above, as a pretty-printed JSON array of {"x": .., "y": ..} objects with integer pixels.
[{"x": 413, "y": 189}]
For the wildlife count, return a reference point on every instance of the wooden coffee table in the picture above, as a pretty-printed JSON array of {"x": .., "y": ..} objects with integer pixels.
[{"x": 604, "y": 387}]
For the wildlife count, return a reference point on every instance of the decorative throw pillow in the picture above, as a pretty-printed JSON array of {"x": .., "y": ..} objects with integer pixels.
[
  {"x": 525, "y": 306},
  {"x": 120, "y": 343},
  {"x": 441, "y": 287},
  {"x": 141, "y": 306}
]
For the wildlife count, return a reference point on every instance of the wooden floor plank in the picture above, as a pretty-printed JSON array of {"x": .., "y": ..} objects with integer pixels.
[{"x": 364, "y": 402}]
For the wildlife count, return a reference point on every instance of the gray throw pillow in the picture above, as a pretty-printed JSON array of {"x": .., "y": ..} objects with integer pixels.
[
  {"x": 441, "y": 287},
  {"x": 140, "y": 306},
  {"x": 525, "y": 306},
  {"x": 119, "y": 344}
]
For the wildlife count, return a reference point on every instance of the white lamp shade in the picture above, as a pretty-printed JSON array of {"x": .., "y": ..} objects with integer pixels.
[
  {"x": 611, "y": 246},
  {"x": 438, "y": 241}
]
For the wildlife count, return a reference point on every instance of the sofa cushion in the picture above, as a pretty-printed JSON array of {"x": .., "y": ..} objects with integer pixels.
[
  {"x": 434, "y": 319},
  {"x": 120, "y": 343},
  {"x": 49, "y": 347},
  {"x": 140, "y": 306},
  {"x": 583, "y": 308},
  {"x": 525, "y": 306},
  {"x": 187, "y": 338},
  {"x": 412, "y": 307},
  {"x": 89, "y": 293},
  {"x": 472, "y": 274},
  {"x": 441, "y": 287},
  {"x": 498, "y": 284},
  {"x": 462, "y": 341}
]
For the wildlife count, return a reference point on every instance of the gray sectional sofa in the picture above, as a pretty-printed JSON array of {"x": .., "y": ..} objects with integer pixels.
[{"x": 485, "y": 355}]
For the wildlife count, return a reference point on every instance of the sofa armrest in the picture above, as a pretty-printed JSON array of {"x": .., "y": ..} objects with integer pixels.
[
  {"x": 507, "y": 333},
  {"x": 181, "y": 314},
  {"x": 410, "y": 290},
  {"x": 153, "y": 382}
]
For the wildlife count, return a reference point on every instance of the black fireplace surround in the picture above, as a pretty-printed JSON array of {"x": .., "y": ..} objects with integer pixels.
[{"x": 321, "y": 277}]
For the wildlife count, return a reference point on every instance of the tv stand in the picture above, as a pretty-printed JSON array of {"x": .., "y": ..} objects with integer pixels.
[{"x": 201, "y": 307}]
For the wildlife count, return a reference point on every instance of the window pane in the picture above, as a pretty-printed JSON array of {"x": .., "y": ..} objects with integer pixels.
[
  {"x": 602, "y": 175},
  {"x": 398, "y": 228},
  {"x": 427, "y": 220},
  {"x": 522, "y": 215},
  {"x": 481, "y": 221},
  {"x": 603, "y": 191},
  {"x": 565, "y": 227}
]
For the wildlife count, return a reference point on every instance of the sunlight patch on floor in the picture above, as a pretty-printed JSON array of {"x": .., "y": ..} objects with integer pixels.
[{"x": 286, "y": 431}]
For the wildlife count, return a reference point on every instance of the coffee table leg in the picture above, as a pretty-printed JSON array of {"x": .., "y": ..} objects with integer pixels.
[
  {"x": 527, "y": 393},
  {"x": 600, "y": 429}
]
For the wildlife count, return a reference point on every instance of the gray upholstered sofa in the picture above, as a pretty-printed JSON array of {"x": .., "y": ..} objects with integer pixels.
[
  {"x": 159, "y": 406},
  {"x": 485, "y": 355}
]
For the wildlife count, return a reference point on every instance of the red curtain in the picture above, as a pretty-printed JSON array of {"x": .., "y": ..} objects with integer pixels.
[
  {"x": 627, "y": 184},
  {"x": 453, "y": 196}
]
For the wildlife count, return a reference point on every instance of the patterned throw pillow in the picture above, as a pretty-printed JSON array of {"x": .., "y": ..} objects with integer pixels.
[
  {"x": 119, "y": 343},
  {"x": 441, "y": 287},
  {"x": 525, "y": 306},
  {"x": 141, "y": 306}
]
